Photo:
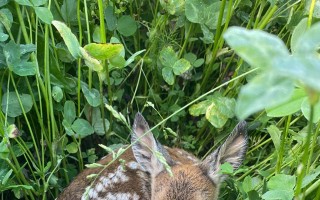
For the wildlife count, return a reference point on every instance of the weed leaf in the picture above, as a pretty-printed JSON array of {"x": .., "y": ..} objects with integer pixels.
[{"x": 69, "y": 38}]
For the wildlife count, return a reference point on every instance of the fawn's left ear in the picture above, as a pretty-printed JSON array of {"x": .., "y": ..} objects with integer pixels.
[
  {"x": 146, "y": 146},
  {"x": 232, "y": 151}
]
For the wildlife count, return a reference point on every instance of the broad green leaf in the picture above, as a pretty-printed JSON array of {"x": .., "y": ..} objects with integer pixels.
[
  {"x": 173, "y": 6},
  {"x": 288, "y": 107},
  {"x": 302, "y": 68},
  {"x": 12, "y": 54},
  {"x": 126, "y": 25},
  {"x": 3, "y": 2},
  {"x": 117, "y": 62},
  {"x": 13, "y": 104},
  {"x": 191, "y": 57},
  {"x": 63, "y": 54},
  {"x": 168, "y": 57},
  {"x": 282, "y": 182},
  {"x": 256, "y": 47},
  {"x": 27, "y": 48},
  {"x": 199, "y": 108},
  {"x": 67, "y": 127},
  {"x": 69, "y": 38},
  {"x": 110, "y": 18},
  {"x": 38, "y": 2},
  {"x": 3, "y": 37},
  {"x": 69, "y": 111},
  {"x": 6, "y": 18},
  {"x": 298, "y": 31},
  {"x": 98, "y": 126},
  {"x": 208, "y": 35},
  {"x": 204, "y": 12},
  {"x": 82, "y": 128},
  {"x": 167, "y": 75},
  {"x": 247, "y": 184},
  {"x": 309, "y": 42},
  {"x": 275, "y": 134},
  {"x": 92, "y": 95},
  {"x": 24, "y": 68},
  {"x": 198, "y": 62},
  {"x": 181, "y": 66},
  {"x": 264, "y": 91},
  {"x": 23, "y": 2},
  {"x": 220, "y": 111},
  {"x": 72, "y": 147},
  {"x": 305, "y": 107},
  {"x": 4, "y": 149},
  {"x": 103, "y": 51},
  {"x": 278, "y": 195},
  {"x": 44, "y": 14},
  {"x": 68, "y": 10},
  {"x": 57, "y": 93},
  {"x": 91, "y": 62},
  {"x": 226, "y": 168}
]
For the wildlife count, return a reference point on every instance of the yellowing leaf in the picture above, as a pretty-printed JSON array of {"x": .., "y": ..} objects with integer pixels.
[{"x": 103, "y": 51}]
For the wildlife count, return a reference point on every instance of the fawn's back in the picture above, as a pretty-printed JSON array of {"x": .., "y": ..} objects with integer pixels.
[{"x": 143, "y": 176}]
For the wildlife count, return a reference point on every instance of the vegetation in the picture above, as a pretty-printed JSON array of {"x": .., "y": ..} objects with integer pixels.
[{"x": 74, "y": 73}]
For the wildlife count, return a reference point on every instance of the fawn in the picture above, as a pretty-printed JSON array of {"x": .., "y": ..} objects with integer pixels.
[{"x": 143, "y": 176}]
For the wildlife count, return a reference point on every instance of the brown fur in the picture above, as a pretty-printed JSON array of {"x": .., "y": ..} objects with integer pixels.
[{"x": 145, "y": 177}]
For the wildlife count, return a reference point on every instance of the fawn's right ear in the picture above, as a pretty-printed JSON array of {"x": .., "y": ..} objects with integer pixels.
[
  {"x": 144, "y": 146},
  {"x": 232, "y": 151}
]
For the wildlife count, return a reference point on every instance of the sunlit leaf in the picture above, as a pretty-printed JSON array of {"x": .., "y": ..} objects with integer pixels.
[
  {"x": 72, "y": 147},
  {"x": 305, "y": 107},
  {"x": 221, "y": 109},
  {"x": 69, "y": 38},
  {"x": 181, "y": 66},
  {"x": 256, "y": 47},
  {"x": 44, "y": 14},
  {"x": 168, "y": 57},
  {"x": 264, "y": 91},
  {"x": 288, "y": 107},
  {"x": 103, "y": 51}
]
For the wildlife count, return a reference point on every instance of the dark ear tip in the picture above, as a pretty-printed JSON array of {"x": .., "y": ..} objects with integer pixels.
[
  {"x": 139, "y": 119},
  {"x": 241, "y": 127}
]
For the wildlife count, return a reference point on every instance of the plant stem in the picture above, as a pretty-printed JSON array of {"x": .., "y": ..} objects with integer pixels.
[
  {"x": 312, "y": 5},
  {"x": 305, "y": 156},
  {"x": 282, "y": 145}
]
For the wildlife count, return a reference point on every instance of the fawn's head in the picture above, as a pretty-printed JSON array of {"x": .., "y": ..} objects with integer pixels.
[{"x": 199, "y": 181}]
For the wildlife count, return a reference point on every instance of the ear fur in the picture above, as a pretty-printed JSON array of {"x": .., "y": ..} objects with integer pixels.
[
  {"x": 144, "y": 148},
  {"x": 232, "y": 151}
]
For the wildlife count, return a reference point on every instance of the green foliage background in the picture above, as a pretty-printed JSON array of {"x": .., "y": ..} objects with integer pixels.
[{"x": 73, "y": 74}]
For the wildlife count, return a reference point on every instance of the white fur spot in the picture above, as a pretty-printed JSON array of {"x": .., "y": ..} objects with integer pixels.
[
  {"x": 122, "y": 196},
  {"x": 99, "y": 187},
  {"x": 92, "y": 193},
  {"x": 133, "y": 165}
]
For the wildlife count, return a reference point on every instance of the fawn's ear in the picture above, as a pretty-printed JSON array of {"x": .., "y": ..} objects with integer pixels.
[
  {"x": 144, "y": 150},
  {"x": 232, "y": 151}
]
